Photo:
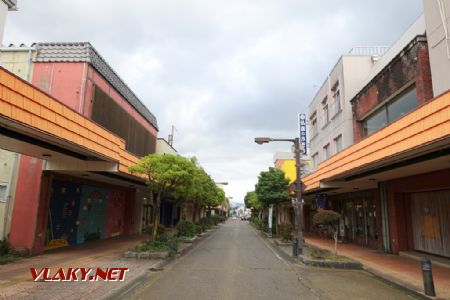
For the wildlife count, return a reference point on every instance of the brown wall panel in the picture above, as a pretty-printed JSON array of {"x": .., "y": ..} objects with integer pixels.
[{"x": 113, "y": 117}]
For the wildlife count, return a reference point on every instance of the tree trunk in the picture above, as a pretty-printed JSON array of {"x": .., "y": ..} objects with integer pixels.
[
  {"x": 156, "y": 202},
  {"x": 335, "y": 236}
]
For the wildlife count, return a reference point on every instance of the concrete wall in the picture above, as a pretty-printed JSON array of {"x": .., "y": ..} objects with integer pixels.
[
  {"x": 3, "y": 13},
  {"x": 348, "y": 73},
  {"x": 18, "y": 60},
  {"x": 26, "y": 203},
  {"x": 438, "y": 43},
  {"x": 163, "y": 147},
  {"x": 19, "y": 63},
  {"x": 8, "y": 173}
]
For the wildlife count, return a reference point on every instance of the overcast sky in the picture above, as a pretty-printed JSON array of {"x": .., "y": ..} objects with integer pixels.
[{"x": 222, "y": 72}]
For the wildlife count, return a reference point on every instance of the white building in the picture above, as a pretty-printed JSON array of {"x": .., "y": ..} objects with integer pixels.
[
  {"x": 330, "y": 111},
  {"x": 437, "y": 20}
]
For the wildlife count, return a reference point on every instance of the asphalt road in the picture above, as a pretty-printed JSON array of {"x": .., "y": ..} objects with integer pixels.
[{"x": 236, "y": 263}]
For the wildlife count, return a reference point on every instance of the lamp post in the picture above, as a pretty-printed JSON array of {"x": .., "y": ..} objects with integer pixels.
[{"x": 297, "y": 204}]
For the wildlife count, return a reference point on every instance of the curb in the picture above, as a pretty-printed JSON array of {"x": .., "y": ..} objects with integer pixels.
[
  {"x": 408, "y": 288},
  {"x": 159, "y": 266},
  {"x": 400, "y": 284},
  {"x": 349, "y": 265},
  {"x": 343, "y": 265}
]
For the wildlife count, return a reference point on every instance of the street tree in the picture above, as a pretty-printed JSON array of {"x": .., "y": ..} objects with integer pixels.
[
  {"x": 202, "y": 191},
  {"x": 330, "y": 219},
  {"x": 251, "y": 201},
  {"x": 166, "y": 173},
  {"x": 272, "y": 187}
]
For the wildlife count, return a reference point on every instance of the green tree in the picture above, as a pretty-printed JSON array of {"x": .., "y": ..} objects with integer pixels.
[
  {"x": 250, "y": 199},
  {"x": 202, "y": 191},
  {"x": 272, "y": 187},
  {"x": 166, "y": 174}
]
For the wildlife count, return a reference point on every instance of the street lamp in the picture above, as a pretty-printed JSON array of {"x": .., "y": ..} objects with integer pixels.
[
  {"x": 221, "y": 183},
  {"x": 298, "y": 187}
]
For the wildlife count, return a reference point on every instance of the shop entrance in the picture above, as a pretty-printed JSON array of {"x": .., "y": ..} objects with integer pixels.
[
  {"x": 78, "y": 213},
  {"x": 430, "y": 213}
]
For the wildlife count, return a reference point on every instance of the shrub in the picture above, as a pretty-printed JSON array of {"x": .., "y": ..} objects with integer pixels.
[
  {"x": 162, "y": 243},
  {"x": 4, "y": 247},
  {"x": 149, "y": 229},
  {"x": 205, "y": 223},
  {"x": 285, "y": 230},
  {"x": 186, "y": 228}
]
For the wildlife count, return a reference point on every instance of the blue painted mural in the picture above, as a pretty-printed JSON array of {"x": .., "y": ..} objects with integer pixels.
[
  {"x": 92, "y": 215},
  {"x": 63, "y": 211}
]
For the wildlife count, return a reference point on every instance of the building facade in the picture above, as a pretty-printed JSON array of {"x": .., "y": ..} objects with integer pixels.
[
  {"x": 392, "y": 186},
  {"x": 60, "y": 200},
  {"x": 330, "y": 112}
]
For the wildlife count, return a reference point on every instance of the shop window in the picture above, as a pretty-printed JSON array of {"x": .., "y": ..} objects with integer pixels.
[
  {"x": 376, "y": 121},
  {"x": 402, "y": 105},
  {"x": 391, "y": 111},
  {"x": 3, "y": 192}
]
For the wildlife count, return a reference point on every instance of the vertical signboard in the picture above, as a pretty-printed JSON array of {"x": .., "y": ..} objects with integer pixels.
[{"x": 302, "y": 131}]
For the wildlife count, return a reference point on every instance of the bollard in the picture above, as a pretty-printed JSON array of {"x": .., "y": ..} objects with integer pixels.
[
  {"x": 295, "y": 246},
  {"x": 428, "y": 284}
]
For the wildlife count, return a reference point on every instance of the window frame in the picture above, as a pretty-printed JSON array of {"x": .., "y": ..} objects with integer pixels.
[
  {"x": 338, "y": 137},
  {"x": 315, "y": 159},
  {"x": 325, "y": 112},
  {"x": 385, "y": 108},
  {"x": 327, "y": 150},
  {"x": 314, "y": 125},
  {"x": 6, "y": 185}
]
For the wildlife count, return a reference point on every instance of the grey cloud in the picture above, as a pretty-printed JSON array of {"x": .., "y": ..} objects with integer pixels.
[{"x": 222, "y": 72}]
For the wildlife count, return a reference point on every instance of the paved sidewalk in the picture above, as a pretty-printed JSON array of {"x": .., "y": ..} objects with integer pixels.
[
  {"x": 16, "y": 281},
  {"x": 401, "y": 270}
]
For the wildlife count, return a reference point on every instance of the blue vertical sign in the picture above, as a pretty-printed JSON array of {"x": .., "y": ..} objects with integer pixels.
[{"x": 302, "y": 130}]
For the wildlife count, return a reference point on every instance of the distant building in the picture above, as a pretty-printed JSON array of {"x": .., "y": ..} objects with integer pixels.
[{"x": 163, "y": 147}]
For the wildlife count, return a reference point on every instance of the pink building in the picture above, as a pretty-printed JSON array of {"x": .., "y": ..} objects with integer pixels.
[{"x": 64, "y": 197}]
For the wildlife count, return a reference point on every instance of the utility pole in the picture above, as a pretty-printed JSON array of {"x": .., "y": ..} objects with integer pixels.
[
  {"x": 298, "y": 201},
  {"x": 297, "y": 204},
  {"x": 170, "y": 138}
]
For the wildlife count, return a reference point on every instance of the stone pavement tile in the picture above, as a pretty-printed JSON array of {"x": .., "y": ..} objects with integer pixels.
[
  {"x": 16, "y": 281},
  {"x": 396, "y": 268}
]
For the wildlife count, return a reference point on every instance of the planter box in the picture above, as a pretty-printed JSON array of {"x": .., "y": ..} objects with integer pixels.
[
  {"x": 188, "y": 240},
  {"x": 146, "y": 255},
  {"x": 350, "y": 264},
  {"x": 130, "y": 254},
  {"x": 282, "y": 243}
]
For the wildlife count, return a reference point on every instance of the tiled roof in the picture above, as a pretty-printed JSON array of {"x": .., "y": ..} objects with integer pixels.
[{"x": 84, "y": 52}]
